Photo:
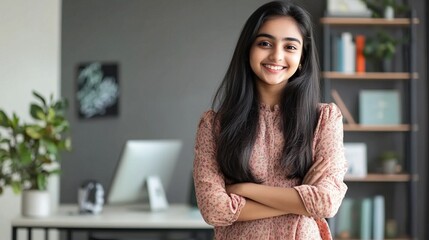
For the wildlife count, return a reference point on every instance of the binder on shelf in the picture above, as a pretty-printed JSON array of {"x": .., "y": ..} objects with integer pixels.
[{"x": 344, "y": 110}]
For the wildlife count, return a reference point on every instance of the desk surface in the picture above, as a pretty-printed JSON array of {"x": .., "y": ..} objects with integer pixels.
[{"x": 120, "y": 217}]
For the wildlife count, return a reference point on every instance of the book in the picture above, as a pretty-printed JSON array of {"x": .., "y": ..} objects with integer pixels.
[
  {"x": 360, "y": 57},
  {"x": 378, "y": 218},
  {"x": 366, "y": 219},
  {"x": 339, "y": 67},
  {"x": 349, "y": 52},
  {"x": 379, "y": 107},
  {"x": 344, "y": 221},
  {"x": 356, "y": 156},
  {"x": 344, "y": 110}
]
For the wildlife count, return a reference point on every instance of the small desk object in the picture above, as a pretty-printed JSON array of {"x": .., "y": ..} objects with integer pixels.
[{"x": 126, "y": 218}]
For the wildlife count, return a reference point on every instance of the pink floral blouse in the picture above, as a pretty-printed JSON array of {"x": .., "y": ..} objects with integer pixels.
[{"x": 321, "y": 201}]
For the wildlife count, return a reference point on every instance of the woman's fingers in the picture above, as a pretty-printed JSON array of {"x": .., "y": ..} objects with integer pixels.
[{"x": 315, "y": 172}]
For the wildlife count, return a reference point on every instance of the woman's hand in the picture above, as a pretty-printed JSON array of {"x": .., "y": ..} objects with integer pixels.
[{"x": 316, "y": 172}]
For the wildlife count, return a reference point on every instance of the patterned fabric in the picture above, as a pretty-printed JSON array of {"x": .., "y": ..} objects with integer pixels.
[{"x": 321, "y": 201}]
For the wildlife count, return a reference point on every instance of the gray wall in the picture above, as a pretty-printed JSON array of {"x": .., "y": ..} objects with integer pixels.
[{"x": 172, "y": 56}]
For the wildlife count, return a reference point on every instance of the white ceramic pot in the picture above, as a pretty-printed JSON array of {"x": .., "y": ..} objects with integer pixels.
[
  {"x": 35, "y": 203},
  {"x": 389, "y": 166}
]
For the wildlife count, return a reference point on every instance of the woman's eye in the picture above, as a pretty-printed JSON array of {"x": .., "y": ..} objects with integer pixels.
[
  {"x": 264, "y": 44},
  {"x": 290, "y": 47}
]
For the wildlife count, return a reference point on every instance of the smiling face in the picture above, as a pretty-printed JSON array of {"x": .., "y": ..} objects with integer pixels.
[{"x": 276, "y": 52}]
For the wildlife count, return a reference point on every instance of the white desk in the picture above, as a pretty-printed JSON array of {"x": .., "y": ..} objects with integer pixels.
[{"x": 117, "y": 218}]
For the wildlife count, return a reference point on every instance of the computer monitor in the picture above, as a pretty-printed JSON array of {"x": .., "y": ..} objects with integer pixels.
[{"x": 139, "y": 160}]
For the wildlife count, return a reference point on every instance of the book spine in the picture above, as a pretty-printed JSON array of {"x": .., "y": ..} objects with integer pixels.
[
  {"x": 339, "y": 59},
  {"x": 365, "y": 220},
  {"x": 379, "y": 217},
  {"x": 349, "y": 52},
  {"x": 360, "y": 57}
]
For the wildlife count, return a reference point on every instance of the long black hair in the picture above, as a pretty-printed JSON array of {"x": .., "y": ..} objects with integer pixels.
[{"x": 237, "y": 103}]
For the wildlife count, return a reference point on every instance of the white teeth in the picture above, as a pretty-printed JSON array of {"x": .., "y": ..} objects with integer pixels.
[{"x": 274, "y": 67}]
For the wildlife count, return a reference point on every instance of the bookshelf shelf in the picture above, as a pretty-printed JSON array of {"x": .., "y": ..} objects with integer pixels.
[
  {"x": 380, "y": 178},
  {"x": 377, "y": 128},
  {"x": 369, "y": 21},
  {"x": 370, "y": 76}
]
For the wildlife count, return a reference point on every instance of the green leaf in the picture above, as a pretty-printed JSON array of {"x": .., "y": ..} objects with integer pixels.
[
  {"x": 42, "y": 99},
  {"x": 33, "y": 131},
  {"x": 4, "y": 120},
  {"x": 41, "y": 181},
  {"x": 51, "y": 115},
  {"x": 37, "y": 112},
  {"x": 16, "y": 187},
  {"x": 51, "y": 147},
  {"x": 1, "y": 190},
  {"x": 24, "y": 153},
  {"x": 14, "y": 122},
  {"x": 56, "y": 171}
]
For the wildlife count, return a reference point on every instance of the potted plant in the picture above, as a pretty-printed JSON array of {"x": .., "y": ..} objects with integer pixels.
[
  {"x": 29, "y": 152},
  {"x": 389, "y": 161},
  {"x": 385, "y": 8},
  {"x": 381, "y": 49}
]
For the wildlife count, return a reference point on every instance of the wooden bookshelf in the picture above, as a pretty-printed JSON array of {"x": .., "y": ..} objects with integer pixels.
[
  {"x": 380, "y": 178},
  {"x": 376, "y": 128},
  {"x": 370, "y": 76},
  {"x": 369, "y": 21}
]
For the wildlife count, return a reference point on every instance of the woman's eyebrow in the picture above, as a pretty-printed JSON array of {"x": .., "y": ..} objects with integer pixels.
[{"x": 273, "y": 38}]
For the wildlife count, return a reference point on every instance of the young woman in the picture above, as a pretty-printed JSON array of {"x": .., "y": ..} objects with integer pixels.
[{"x": 269, "y": 163}]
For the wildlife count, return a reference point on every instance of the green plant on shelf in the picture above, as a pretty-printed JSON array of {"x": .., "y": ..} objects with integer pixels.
[
  {"x": 380, "y": 47},
  {"x": 378, "y": 7}
]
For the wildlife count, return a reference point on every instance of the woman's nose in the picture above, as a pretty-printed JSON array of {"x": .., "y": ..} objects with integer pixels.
[{"x": 277, "y": 54}]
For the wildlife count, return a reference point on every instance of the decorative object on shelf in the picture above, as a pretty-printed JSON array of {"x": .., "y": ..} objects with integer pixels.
[
  {"x": 389, "y": 162},
  {"x": 97, "y": 90},
  {"x": 356, "y": 155},
  {"x": 379, "y": 107},
  {"x": 29, "y": 153},
  {"x": 391, "y": 228},
  {"x": 355, "y": 8}
]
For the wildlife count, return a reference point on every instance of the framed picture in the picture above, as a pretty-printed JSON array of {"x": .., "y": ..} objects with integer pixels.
[
  {"x": 379, "y": 107},
  {"x": 97, "y": 90},
  {"x": 356, "y": 157}
]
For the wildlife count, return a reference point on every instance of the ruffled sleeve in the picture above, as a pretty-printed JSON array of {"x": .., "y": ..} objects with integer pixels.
[
  {"x": 216, "y": 206},
  {"x": 323, "y": 199}
]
